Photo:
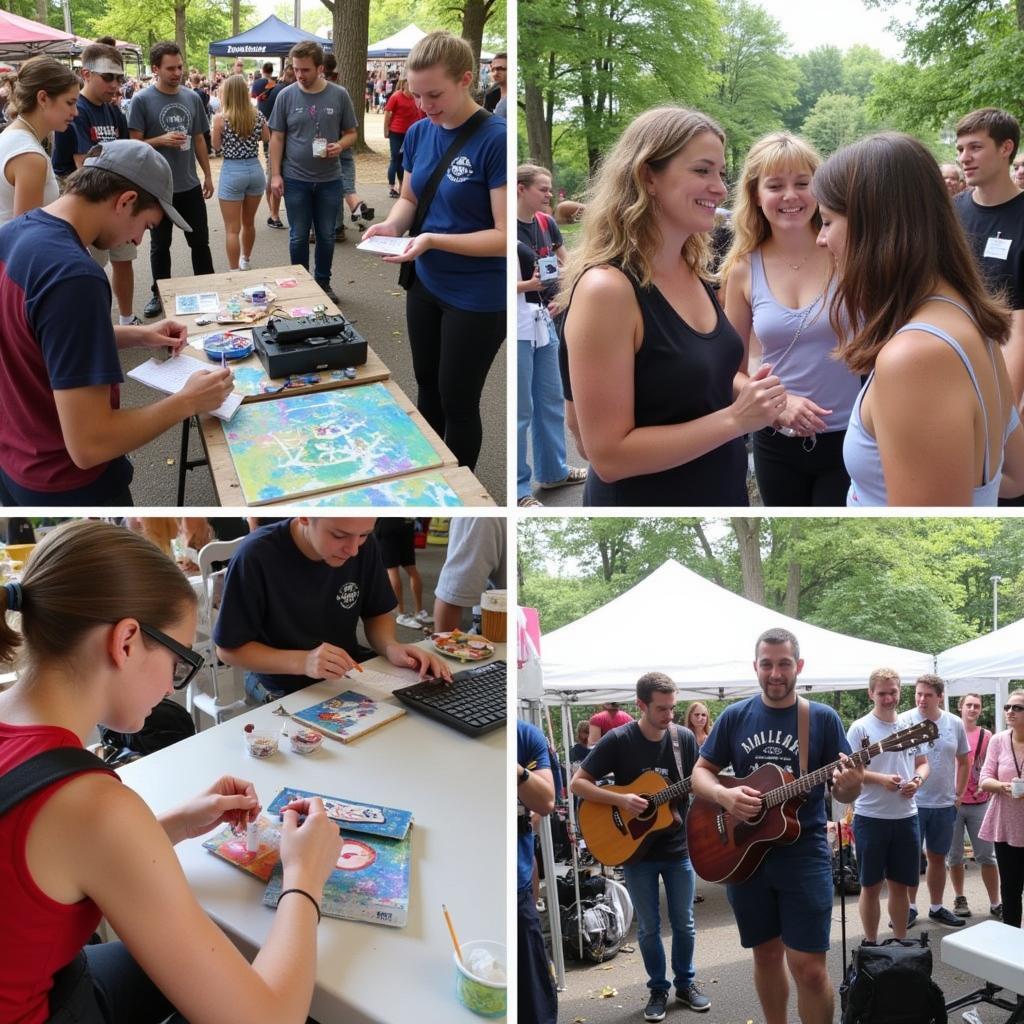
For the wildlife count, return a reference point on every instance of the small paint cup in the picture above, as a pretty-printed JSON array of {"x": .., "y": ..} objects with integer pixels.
[
  {"x": 305, "y": 741},
  {"x": 260, "y": 744},
  {"x": 484, "y": 998}
]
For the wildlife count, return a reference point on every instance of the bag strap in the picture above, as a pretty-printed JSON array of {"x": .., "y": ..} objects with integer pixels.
[
  {"x": 979, "y": 756},
  {"x": 39, "y": 771},
  {"x": 423, "y": 201},
  {"x": 803, "y": 729},
  {"x": 674, "y": 733}
]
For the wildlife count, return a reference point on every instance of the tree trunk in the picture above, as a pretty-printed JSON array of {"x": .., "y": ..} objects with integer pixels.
[
  {"x": 235, "y": 17},
  {"x": 179, "y": 30},
  {"x": 474, "y": 17},
  {"x": 41, "y": 11},
  {"x": 351, "y": 28},
  {"x": 538, "y": 136},
  {"x": 791, "y": 602},
  {"x": 748, "y": 537},
  {"x": 709, "y": 555}
]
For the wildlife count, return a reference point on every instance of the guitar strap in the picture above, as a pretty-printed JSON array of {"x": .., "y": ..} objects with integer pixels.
[
  {"x": 803, "y": 729},
  {"x": 674, "y": 733}
]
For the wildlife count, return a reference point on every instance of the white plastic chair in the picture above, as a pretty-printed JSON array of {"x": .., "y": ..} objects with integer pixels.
[{"x": 213, "y": 704}]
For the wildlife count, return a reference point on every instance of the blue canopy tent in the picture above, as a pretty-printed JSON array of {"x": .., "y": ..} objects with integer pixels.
[{"x": 270, "y": 38}]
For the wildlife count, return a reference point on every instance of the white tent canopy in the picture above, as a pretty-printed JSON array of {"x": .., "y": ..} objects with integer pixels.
[
  {"x": 397, "y": 46},
  {"x": 701, "y": 635}
]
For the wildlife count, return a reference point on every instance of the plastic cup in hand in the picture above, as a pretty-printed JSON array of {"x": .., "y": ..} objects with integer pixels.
[
  {"x": 319, "y": 147},
  {"x": 480, "y": 980},
  {"x": 186, "y": 143},
  {"x": 1017, "y": 788}
]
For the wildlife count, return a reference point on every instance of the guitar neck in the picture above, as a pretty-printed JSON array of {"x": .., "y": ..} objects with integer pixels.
[
  {"x": 776, "y": 797},
  {"x": 673, "y": 792}
]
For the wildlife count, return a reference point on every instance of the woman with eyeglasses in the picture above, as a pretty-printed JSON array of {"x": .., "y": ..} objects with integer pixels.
[
  {"x": 106, "y": 621},
  {"x": 1002, "y": 775}
]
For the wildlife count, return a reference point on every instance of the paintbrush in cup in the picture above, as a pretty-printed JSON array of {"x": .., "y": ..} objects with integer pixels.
[{"x": 451, "y": 931}]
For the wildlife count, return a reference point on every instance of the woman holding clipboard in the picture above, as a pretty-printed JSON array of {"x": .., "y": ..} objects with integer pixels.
[{"x": 453, "y": 206}]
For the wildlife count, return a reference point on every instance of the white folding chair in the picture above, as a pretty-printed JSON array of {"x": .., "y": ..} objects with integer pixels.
[{"x": 216, "y": 703}]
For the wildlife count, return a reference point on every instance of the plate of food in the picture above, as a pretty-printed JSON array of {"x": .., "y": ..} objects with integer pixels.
[{"x": 463, "y": 646}]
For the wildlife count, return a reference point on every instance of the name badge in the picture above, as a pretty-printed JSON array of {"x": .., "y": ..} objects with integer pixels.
[{"x": 998, "y": 248}]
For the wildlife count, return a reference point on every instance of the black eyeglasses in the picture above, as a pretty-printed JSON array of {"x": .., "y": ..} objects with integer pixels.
[
  {"x": 187, "y": 662},
  {"x": 1017, "y": 709},
  {"x": 109, "y": 76}
]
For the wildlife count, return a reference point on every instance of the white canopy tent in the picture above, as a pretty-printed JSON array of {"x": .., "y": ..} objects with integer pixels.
[
  {"x": 397, "y": 46},
  {"x": 985, "y": 664}
]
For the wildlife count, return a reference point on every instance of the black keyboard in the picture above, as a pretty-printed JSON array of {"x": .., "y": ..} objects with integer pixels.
[{"x": 474, "y": 702}]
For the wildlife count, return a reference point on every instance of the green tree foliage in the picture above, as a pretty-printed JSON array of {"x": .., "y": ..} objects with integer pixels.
[{"x": 835, "y": 120}]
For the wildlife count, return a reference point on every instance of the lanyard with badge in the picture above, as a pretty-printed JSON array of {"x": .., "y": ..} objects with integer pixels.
[{"x": 998, "y": 248}]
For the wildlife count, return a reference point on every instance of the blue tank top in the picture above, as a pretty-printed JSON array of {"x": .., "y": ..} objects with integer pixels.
[
  {"x": 860, "y": 449},
  {"x": 809, "y": 368}
]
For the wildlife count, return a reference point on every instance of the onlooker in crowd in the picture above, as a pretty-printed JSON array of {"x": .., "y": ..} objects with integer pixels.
[
  {"x": 173, "y": 121},
  {"x": 939, "y": 794},
  {"x": 455, "y": 307},
  {"x": 273, "y": 199},
  {"x": 611, "y": 716},
  {"x": 44, "y": 98},
  {"x": 198, "y": 85},
  {"x": 541, "y": 413},
  {"x": 401, "y": 112},
  {"x": 397, "y": 539},
  {"x": 476, "y": 562},
  {"x": 1004, "y": 819},
  {"x": 1018, "y": 170},
  {"x": 312, "y": 122},
  {"x": 262, "y": 85},
  {"x": 237, "y": 130},
  {"x": 496, "y": 98},
  {"x": 953, "y": 176},
  {"x": 581, "y": 747},
  {"x": 885, "y": 823},
  {"x": 698, "y": 721},
  {"x": 99, "y": 119}
]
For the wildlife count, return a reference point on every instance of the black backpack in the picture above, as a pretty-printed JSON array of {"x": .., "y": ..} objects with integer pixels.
[
  {"x": 891, "y": 983},
  {"x": 167, "y": 723}
]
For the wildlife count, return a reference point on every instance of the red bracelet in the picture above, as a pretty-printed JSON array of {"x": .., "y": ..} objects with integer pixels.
[{"x": 302, "y": 892}]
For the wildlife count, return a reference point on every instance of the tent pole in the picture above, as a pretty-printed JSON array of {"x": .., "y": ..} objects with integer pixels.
[{"x": 574, "y": 844}]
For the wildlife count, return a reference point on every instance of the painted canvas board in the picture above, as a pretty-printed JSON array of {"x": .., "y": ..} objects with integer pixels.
[
  {"x": 351, "y": 815},
  {"x": 295, "y": 446},
  {"x": 233, "y": 849},
  {"x": 430, "y": 490},
  {"x": 348, "y": 715}
]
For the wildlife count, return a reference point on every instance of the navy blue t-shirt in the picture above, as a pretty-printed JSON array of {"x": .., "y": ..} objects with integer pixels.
[
  {"x": 750, "y": 734},
  {"x": 94, "y": 123},
  {"x": 626, "y": 753},
  {"x": 531, "y": 753},
  {"x": 461, "y": 205},
  {"x": 275, "y": 595}
]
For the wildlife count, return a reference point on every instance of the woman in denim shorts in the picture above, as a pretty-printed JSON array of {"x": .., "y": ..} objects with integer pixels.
[{"x": 238, "y": 130}]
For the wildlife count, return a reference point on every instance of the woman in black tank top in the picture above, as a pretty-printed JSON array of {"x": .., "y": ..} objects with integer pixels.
[{"x": 648, "y": 356}]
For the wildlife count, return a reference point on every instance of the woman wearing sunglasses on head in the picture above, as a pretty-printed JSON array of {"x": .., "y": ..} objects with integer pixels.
[
  {"x": 1002, "y": 775},
  {"x": 105, "y": 625}
]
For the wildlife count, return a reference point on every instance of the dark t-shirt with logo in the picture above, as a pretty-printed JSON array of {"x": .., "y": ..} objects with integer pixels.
[
  {"x": 94, "y": 122},
  {"x": 750, "y": 734},
  {"x": 275, "y": 595}
]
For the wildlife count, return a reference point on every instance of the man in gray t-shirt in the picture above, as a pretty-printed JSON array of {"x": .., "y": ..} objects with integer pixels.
[
  {"x": 172, "y": 120},
  {"x": 313, "y": 120},
  {"x": 476, "y": 562}
]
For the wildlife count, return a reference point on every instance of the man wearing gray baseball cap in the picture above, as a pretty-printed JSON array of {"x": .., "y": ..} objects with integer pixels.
[{"x": 64, "y": 439}]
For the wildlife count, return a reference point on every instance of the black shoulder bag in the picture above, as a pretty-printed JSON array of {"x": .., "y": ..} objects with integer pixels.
[{"x": 407, "y": 273}]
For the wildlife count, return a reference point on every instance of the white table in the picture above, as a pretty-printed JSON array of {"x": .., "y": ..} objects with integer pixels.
[{"x": 455, "y": 787}]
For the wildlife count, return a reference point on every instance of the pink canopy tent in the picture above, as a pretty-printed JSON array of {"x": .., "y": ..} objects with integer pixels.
[{"x": 21, "y": 38}]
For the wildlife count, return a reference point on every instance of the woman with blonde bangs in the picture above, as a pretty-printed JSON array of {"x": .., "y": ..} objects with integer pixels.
[
  {"x": 698, "y": 721},
  {"x": 238, "y": 128},
  {"x": 649, "y": 357},
  {"x": 777, "y": 290},
  {"x": 935, "y": 422}
]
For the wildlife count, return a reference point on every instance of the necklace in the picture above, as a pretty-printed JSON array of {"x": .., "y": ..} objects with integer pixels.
[{"x": 28, "y": 125}]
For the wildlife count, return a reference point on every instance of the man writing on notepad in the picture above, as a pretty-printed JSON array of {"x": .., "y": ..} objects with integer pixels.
[{"x": 293, "y": 596}]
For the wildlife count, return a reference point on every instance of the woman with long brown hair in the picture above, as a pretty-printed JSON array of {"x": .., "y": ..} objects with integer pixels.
[{"x": 935, "y": 423}]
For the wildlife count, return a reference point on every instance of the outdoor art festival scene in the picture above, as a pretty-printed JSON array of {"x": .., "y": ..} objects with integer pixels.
[
  {"x": 770, "y": 770},
  {"x": 243, "y": 266}
]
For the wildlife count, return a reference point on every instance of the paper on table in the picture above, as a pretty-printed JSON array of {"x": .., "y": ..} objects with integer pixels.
[
  {"x": 385, "y": 682},
  {"x": 199, "y": 302},
  {"x": 385, "y": 245},
  {"x": 171, "y": 375}
]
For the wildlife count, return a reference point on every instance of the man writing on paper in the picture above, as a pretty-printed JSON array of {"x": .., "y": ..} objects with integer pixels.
[{"x": 293, "y": 596}]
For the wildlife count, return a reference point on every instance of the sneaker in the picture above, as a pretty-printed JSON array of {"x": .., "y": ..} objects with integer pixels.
[
  {"x": 946, "y": 917},
  {"x": 960, "y": 907},
  {"x": 133, "y": 322},
  {"x": 423, "y": 617},
  {"x": 529, "y": 501},
  {"x": 409, "y": 621},
  {"x": 911, "y": 918},
  {"x": 331, "y": 294},
  {"x": 574, "y": 476},
  {"x": 393, "y": 193},
  {"x": 655, "y": 1008},
  {"x": 274, "y": 222},
  {"x": 996, "y": 912},
  {"x": 692, "y": 997},
  {"x": 363, "y": 212},
  {"x": 244, "y": 263},
  {"x": 153, "y": 308}
]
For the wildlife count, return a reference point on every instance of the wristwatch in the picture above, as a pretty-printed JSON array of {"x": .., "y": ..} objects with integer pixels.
[
  {"x": 523, "y": 776},
  {"x": 917, "y": 780}
]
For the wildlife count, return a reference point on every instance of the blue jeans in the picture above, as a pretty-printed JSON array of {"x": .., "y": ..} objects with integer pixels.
[
  {"x": 312, "y": 203},
  {"x": 395, "y": 169},
  {"x": 542, "y": 414},
  {"x": 642, "y": 883},
  {"x": 255, "y": 688}
]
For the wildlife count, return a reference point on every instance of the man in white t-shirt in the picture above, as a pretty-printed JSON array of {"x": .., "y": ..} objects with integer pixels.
[
  {"x": 885, "y": 824},
  {"x": 939, "y": 796}
]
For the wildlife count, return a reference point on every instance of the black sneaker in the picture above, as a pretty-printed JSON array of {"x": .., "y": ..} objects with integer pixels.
[
  {"x": 363, "y": 212},
  {"x": 655, "y": 1009},
  {"x": 331, "y": 294},
  {"x": 153, "y": 308},
  {"x": 692, "y": 997},
  {"x": 996, "y": 912},
  {"x": 946, "y": 917},
  {"x": 274, "y": 222},
  {"x": 911, "y": 918}
]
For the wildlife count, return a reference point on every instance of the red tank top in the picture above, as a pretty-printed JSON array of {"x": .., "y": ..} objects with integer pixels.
[{"x": 39, "y": 936}]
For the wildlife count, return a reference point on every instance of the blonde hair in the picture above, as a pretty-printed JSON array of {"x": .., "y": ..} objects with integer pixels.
[
  {"x": 880, "y": 675},
  {"x": 697, "y": 705},
  {"x": 620, "y": 224},
  {"x": 527, "y": 174},
  {"x": 770, "y": 155},
  {"x": 238, "y": 111},
  {"x": 454, "y": 54}
]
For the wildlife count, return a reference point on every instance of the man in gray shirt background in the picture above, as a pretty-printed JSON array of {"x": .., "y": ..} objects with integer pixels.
[
  {"x": 313, "y": 120},
  {"x": 172, "y": 120}
]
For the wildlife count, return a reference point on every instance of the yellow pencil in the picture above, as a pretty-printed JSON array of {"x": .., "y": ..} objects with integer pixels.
[{"x": 451, "y": 930}]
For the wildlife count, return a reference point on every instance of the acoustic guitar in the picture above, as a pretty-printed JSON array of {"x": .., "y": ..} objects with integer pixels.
[
  {"x": 615, "y": 836},
  {"x": 725, "y": 849}
]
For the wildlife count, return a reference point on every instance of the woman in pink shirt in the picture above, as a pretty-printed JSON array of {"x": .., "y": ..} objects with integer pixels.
[{"x": 1004, "y": 819}]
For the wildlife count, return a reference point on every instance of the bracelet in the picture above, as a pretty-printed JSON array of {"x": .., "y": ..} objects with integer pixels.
[{"x": 302, "y": 892}]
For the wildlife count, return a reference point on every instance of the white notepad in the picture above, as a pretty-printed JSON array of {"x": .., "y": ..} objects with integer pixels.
[
  {"x": 385, "y": 245},
  {"x": 171, "y": 375},
  {"x": 197, "y": 302}
]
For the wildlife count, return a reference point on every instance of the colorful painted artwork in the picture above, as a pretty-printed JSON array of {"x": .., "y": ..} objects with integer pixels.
[
  {"x": 349, "y": 715},
  {"x": 429, "y": 491},
  {"x": 232, "y": 848},
  {"x": 370, "y": 881},
  {"x": 351, "y": 815},
  {"x": 317, "y": 442},
  {"x": 250, "y": 378}
]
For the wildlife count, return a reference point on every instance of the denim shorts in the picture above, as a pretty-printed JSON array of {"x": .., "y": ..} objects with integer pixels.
[
  {"x": 937, "y": 828},
  {"x": 887, "y": 848},
  {"x": 241, "y": 178}
]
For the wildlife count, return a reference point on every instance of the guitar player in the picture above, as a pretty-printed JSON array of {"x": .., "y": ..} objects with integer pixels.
[
  {"x": 784, "y": 910},
  {"x": 627, "y": 752}
]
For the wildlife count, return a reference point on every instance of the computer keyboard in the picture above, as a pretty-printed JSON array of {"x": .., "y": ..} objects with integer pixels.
[{"x": 474, "y": 702}]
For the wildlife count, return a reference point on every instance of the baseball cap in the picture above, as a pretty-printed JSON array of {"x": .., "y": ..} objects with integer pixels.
[{"x": 142, "y": 165}]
